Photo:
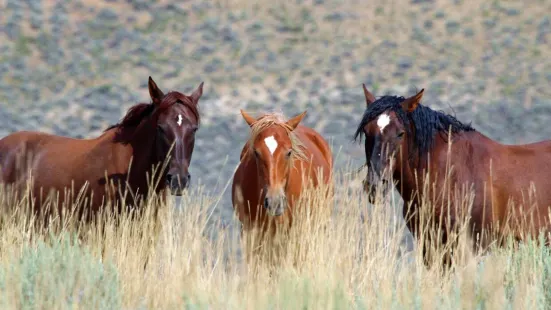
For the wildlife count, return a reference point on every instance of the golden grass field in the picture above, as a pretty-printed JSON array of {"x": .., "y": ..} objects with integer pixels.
[{"x": 350, "y": 260}]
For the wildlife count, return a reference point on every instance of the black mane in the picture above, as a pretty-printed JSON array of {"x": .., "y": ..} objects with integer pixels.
[{"x": 427, "y": 123}]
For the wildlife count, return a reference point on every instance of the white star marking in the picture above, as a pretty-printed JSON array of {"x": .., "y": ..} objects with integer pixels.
[
  {"x": 383, "y": 121},
  {"x": 271, "y": 143}
]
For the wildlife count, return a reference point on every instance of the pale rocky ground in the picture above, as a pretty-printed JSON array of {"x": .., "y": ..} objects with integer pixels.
[{"x": 72, "y": 68}]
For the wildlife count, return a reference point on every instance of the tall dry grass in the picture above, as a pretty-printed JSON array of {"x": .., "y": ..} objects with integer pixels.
[{"x": 354, "y": 259}]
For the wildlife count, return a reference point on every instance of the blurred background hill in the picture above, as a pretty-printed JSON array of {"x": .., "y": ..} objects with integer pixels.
[{"x": 74, "y": 67}]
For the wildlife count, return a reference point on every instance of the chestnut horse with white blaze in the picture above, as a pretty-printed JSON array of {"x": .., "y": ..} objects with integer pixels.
[
  {"x": 121, "y": 159},
  {"x": 413, "y": 142},
  {"x": 279, "y": 160}
]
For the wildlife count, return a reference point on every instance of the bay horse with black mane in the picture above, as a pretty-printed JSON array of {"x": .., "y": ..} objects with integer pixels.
[
  {"x": 280, "y": 159},
  {"x": 427, "y": 154},
  {"x": 121, "y": 160}
]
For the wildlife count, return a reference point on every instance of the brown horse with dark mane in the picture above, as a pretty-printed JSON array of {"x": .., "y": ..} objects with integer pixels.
[
  {"x": 280, "y": 159},
  {"x": 121, "y": 160},
  {"x": 431, "y": 156}
]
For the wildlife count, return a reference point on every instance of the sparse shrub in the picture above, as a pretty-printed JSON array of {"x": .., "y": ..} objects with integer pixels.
[{"x": 59, "y": 274}]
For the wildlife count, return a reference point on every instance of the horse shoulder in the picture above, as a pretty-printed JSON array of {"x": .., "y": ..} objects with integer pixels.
[
  {"x": 244, "y": 171},
  {"x": 243, "y": 152},
  {"x": 245, "y": 191}
]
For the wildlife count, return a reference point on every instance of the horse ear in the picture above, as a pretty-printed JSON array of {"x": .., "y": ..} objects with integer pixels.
[
  {"x": 411, "y": 103},
  {"x": 293, "y": 122},
  {"x": 154, "y": 91},
  {"x": 197, "y": 93},
  {"x": 249, "y": 119},
  {"x": 369, "y": 98}
]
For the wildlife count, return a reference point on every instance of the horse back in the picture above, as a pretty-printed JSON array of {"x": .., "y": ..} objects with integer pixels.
[
  {"x": 315, "y": 144},
  {"x": 317, "y": 149},
  {"x": 51, "y": 151},
  {"x": 500, "y": 175}
]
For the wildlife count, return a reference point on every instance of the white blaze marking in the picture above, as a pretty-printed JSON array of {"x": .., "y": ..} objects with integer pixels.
[
  {"x": 179, "y": 122},
  {"x": 271, "y": 143},
  {"x": 383, "y": 121}
]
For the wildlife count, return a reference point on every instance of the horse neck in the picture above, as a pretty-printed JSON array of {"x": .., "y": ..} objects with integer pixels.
[
  {"x": 434, "y": 164},
  {"x": 404, "y": 177},
  {"x": 143, "y": 149}
]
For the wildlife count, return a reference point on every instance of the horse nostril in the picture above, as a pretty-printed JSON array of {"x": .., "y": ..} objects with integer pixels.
[
  {"x": 266, "y": 203},
  {"x": 189, "y": 176}
]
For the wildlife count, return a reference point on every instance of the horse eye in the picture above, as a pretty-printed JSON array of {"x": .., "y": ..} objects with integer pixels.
[
  {"x": 256, "y": 154},
  {"x": 401, "y": 134},
  {"x": 288, "y": 154},
  {"x": 195, "y": 129}
]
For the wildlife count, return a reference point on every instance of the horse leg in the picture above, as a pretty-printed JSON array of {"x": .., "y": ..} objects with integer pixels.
[
  {"x": 427, "y": 252},
  {"x": 425, "y": 245},
  {"x": 261, "y": 249},
  {"x": 249, "y": 243}
]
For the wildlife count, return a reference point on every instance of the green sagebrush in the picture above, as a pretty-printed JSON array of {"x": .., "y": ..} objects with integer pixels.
[{"x": 59, "y": 274}]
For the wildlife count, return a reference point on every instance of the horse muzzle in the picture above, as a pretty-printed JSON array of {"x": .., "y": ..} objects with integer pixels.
[
  {"x": 177, "y": 183},
  {"x": 275, "y": 206}
]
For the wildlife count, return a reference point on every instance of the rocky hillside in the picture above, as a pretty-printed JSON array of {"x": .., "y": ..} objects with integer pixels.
[{"x": 74, "y": 67}]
